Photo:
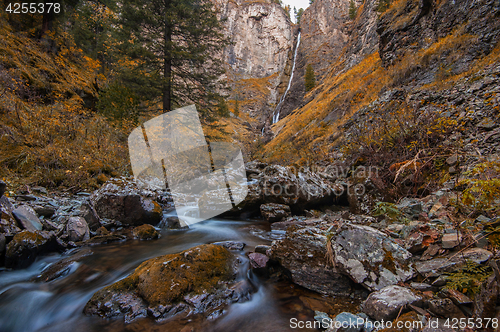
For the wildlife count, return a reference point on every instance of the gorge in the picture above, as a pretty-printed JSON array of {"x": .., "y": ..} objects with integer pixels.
[{"x": 372, "y": 197}]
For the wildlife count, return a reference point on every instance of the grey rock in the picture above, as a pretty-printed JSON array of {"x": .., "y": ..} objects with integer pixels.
[
  {"x": 302, "y": 252},
  {"x": 262, "y": 248},
  {"x": 347, "y": 322},
  {"x": 441, "y": 265},
  {"x": 27, "y": 217},
  {"x": 411, "y": 207},
  {"x": 369, "y": 257},
  {"x": 77, "y": 229},
  {"x": 451, "y": 240},
  {"x": 445, "y": 307},
  {"x": 423, "y": 287},
  {"x": 87, "y": 212},
  {"x": 231, "y": 245},
  {"x": 172, "y": 223},
  {"x": 274, "y": 212},
  {"x": 121, "y": 201},
  {"x": 487, "y": 123},
  {"x": 386, "y": 303},
  {"x": 46, "y": 211},
  {"x": 8, "y": 224},
  {"x": 258, "y": 261}
]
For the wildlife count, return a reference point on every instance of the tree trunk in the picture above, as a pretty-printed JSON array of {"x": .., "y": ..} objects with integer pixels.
[{"x": 167, "y": 67}]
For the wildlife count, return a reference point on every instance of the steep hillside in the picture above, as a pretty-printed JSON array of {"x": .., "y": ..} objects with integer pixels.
[
  {"x": 48, "y": 134},
  {"x": 435, "y": 76}
]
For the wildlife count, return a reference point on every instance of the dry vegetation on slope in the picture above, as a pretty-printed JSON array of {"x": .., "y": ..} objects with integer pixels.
[
  {"x": 384, "y": 114},
  {"x": 48, "y": 135}
]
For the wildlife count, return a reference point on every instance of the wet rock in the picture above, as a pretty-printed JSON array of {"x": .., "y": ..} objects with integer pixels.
[
  {"x": 77, "y": 229},
  {"x": 262, "y": 248},
  {"x": 258, "y": 261},
  {"x": 27, "y": 218},
  {"x": 303, "y": 254},
  {"x": 102, "y": 231},
  {"x": 274, "y": 212},
  {"x": 172, "y": 223},
  {"x": 122, "y": 201},
  {"x": 231, "y": 245},
  {"x": 145, "y": 232},
  {"x": 62, "y": 267},
  {"x": 196, "y": 280},
  {"x": 27, "y": 245},
  {"x": 369, "y": 257},
  {"x": 386, "y": 303},
  {"x": 445, "y": 308}
]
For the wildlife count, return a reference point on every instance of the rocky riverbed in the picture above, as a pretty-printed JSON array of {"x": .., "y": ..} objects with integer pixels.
[{"x": 407, "y": 261}]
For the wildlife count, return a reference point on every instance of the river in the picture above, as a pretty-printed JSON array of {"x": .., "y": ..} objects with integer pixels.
[{"x": 58, "y": 305}]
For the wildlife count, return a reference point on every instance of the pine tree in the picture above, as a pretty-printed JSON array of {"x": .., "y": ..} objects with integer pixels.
[
  {"x": 352, "y": 10},
  {"x": 298, "y": 15},
  {"x": 176, "y": 47},
  {"x": 310, "y": 80}
]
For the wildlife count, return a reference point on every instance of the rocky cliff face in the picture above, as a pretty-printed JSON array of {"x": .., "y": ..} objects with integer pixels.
[
  {"x": 324, "y": 33},
  {"x": 327, "y": 35},
  {"x": 262, "y": 38}
]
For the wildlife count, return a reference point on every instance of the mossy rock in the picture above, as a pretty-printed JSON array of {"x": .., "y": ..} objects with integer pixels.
[
  {"x": 26, "y": 245},
  {"x": 196, "y": 280},
  {"x": 145, "y": 232}
]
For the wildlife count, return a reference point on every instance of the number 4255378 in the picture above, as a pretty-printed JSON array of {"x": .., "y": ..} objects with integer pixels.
[{"x": 33, "y": 8}]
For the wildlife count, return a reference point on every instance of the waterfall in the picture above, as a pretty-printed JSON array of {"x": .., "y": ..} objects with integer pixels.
[{"x": 276, "y": 115}]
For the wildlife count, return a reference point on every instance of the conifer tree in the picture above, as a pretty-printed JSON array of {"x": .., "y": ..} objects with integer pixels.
[
  {"x": 352, "y": 10},
  {"x": 176, "y": 47},
  {"x": 310, "y": 80}
]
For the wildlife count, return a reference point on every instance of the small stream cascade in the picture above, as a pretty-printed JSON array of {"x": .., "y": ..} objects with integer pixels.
[{"x": 276, "y": 115}]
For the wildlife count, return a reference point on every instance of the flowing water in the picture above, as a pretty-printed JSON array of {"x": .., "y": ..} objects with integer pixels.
[
  {"x": 58, "y": 305},
  {"x": 276, "y": 116}
]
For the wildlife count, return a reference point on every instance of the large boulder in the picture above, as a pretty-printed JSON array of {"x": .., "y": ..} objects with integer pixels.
[
  {"x": 77, "y": 229},
  {"x": 274, "y": 212},
  {"x": 27, "y": 217},
  {"x": 145, "y": 232},
  {"x": 27, "y": 245},
  {"x": 197, "y": 280},
  {"x": 369, "y": 257},
  {"x": 122, "y": 202},
  {"x": 303, "y": 253},
  {"x": 286, "y": 185},
  {"x": 386, "y": 303}
]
